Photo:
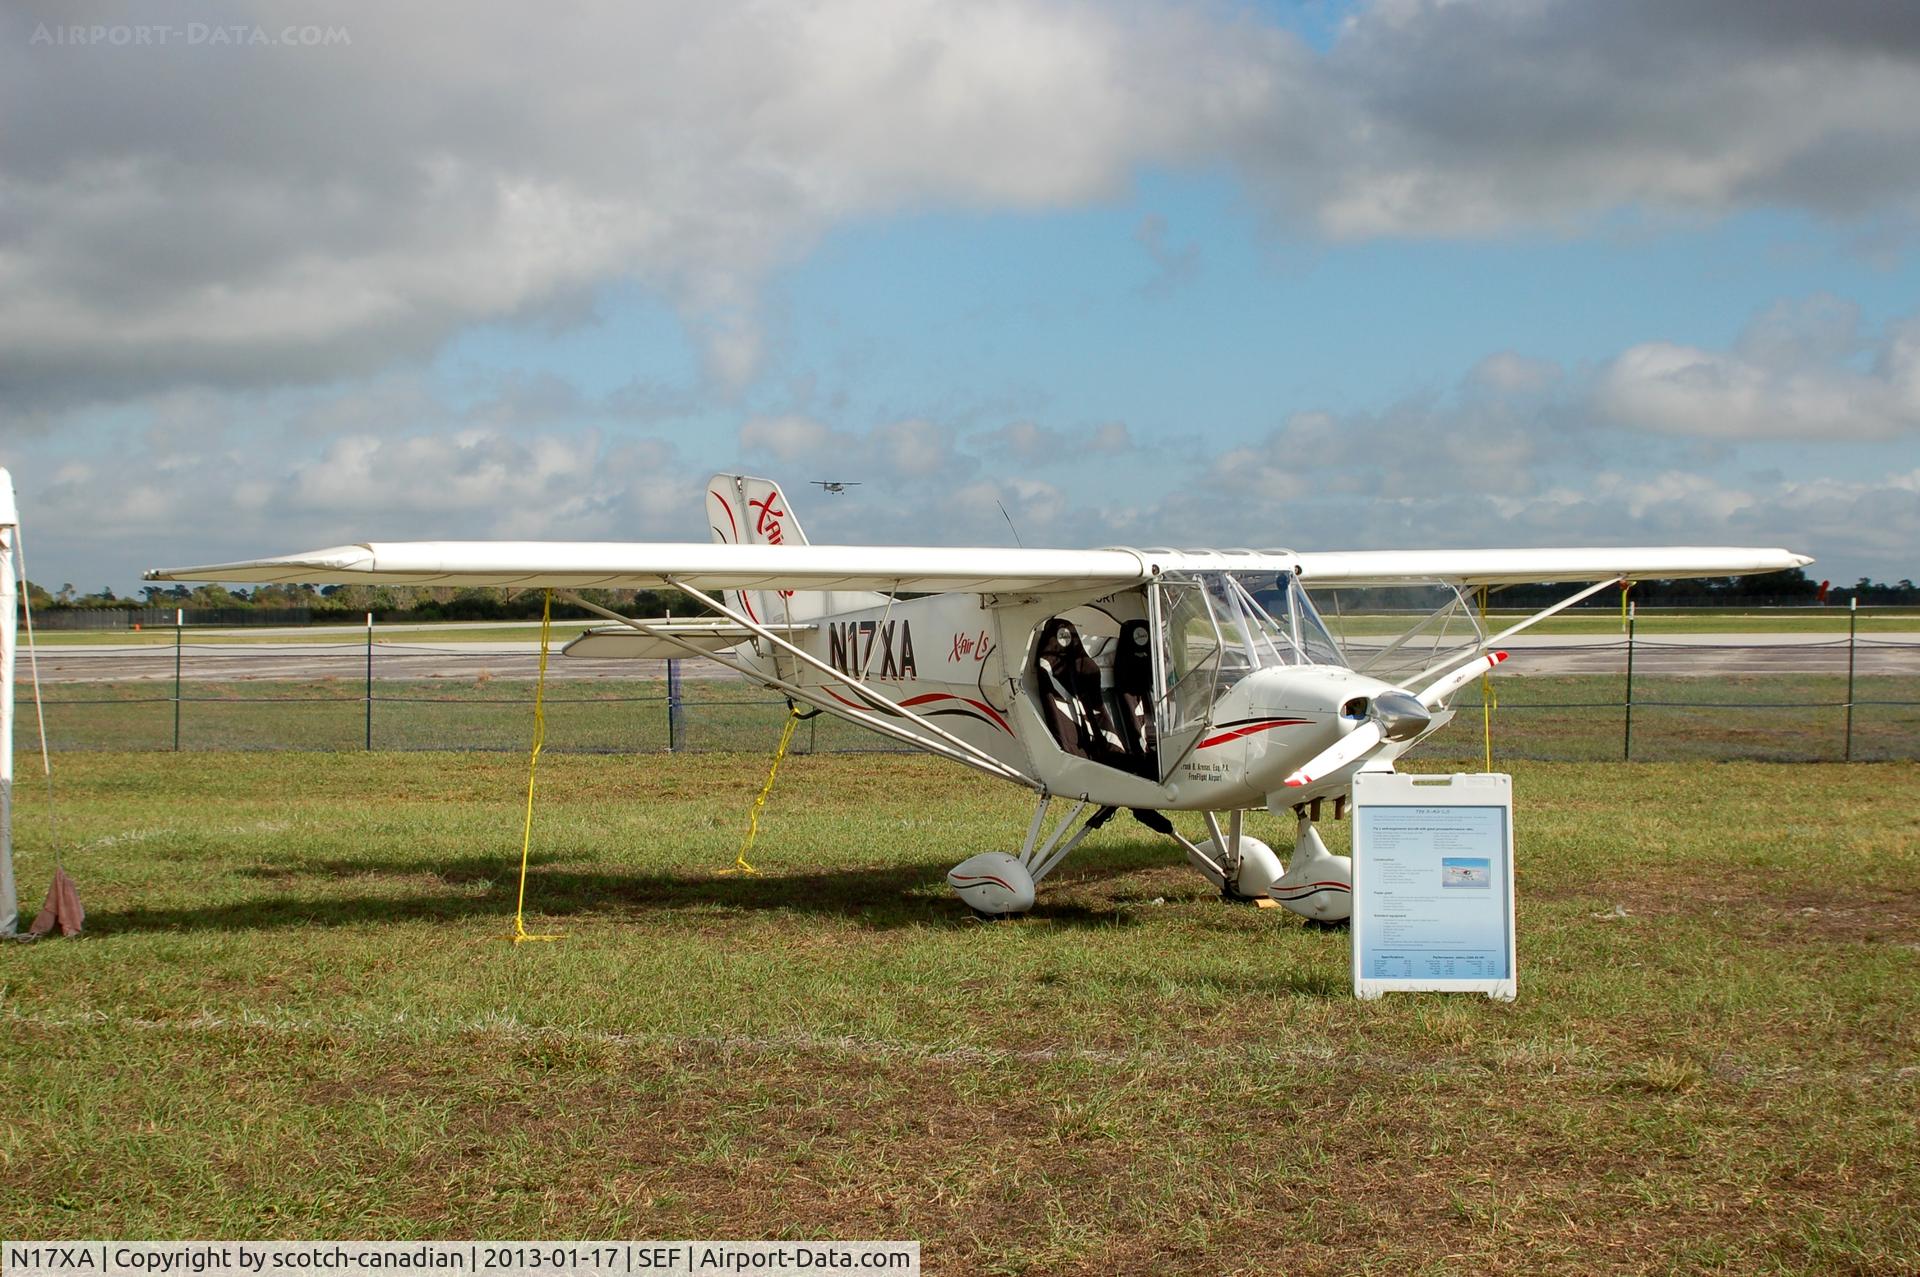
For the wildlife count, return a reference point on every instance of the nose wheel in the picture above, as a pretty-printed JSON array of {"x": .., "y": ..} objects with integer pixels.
[
  {"x": 1314, "y": 883},
  {"x": 1317, "y": 885}
]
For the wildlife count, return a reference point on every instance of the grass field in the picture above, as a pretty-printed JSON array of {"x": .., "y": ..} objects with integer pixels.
[{"x": 296, "y": 1015}]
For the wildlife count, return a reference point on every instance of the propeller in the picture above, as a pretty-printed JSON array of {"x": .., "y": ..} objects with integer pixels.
[
  {"x": 1447, "y": 684},
  {"x": 1392, "y": 716}
]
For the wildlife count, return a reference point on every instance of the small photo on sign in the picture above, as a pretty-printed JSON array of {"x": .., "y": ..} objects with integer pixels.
[{"x": 1466, "y": 871}]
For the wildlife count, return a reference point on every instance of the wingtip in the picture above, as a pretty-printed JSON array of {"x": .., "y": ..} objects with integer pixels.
[{"x": 1499, "y": 657}]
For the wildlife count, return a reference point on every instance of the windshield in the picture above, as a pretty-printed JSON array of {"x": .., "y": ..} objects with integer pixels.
[
  {"x": 1265, "y": 618},
  {"x": 1212, "y": 630},
  {"x": 1218, "y": 627}
]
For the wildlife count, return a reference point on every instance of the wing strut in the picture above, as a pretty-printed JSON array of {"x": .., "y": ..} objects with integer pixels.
[
  {"x": 957, "y": 750},
  {"x": 1528, "y": 623},
  {"x": 1555, "y": 610}
]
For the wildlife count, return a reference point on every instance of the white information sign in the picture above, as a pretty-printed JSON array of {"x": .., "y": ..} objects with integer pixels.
[{"x": 1433, "y": 884}]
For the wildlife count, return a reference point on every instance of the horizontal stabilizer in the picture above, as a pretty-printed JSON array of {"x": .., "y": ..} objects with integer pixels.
[{"x": 666, "y": 640}]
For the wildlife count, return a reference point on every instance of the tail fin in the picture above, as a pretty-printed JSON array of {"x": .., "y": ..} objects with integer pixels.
[{"x": 743, "y": 510}]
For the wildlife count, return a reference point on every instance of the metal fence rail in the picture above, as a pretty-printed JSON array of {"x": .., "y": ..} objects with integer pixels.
[{"x": 1854, "y": 696}]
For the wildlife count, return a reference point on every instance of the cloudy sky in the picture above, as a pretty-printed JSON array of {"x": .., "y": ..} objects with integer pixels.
[{"x": 1302, "y": 273}]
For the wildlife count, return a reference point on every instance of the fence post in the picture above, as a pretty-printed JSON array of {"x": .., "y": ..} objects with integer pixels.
[
  {"x": 179, "y": 628},
  {"x": 1626, "y": 741},
  {"x": 369, "y": 682},
  {"x": 675, "y": 709},
  {"x": 1853, "y": 629}
]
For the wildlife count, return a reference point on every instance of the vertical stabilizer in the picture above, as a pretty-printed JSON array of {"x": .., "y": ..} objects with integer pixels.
[{"x": 744, "y": 510}]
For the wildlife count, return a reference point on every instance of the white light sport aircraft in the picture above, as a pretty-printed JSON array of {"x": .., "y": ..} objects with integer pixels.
[{"x": 1150, "y": 680}]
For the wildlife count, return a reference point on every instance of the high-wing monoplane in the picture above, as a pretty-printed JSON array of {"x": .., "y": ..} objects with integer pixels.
[{"x": 1106, "y": 680}]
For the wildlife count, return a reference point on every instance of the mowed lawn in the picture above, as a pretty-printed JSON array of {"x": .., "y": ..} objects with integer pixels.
[{"x": 296, "y": 1014}]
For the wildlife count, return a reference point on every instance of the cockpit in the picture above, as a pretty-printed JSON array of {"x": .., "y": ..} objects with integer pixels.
[{"x": 1130, "y": 681}]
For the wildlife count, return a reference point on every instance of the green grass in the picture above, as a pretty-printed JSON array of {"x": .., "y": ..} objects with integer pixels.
[
  {"x": 296, "y": 1015},
  {"x": 476, "y": 712}
]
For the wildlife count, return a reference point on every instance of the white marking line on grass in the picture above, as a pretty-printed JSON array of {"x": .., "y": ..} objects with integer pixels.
[
  {"x": 127, "y": 837},
  {"x": 500, "y": 1024}
]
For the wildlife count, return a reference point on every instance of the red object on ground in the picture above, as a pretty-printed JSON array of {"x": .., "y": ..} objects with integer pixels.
[{"x": 62, "y": 908}]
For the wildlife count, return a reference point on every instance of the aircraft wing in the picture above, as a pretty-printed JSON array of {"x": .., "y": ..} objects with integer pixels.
[
  {"x": 614, "y": 565},
  {"x": 1520, "y": 567},
  {"x": 641, "y": 565}
]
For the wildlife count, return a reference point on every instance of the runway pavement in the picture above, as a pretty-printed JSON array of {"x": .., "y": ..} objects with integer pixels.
[{"x": 1703, "y": 655}]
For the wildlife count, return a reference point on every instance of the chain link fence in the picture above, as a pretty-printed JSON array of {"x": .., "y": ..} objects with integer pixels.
[{"x": 1853, "y": 696}]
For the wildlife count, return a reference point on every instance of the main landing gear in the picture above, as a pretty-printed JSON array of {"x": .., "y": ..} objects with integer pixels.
[
  {"x": 1315, "y": 883},
  {"x": 995, "y": 884}
]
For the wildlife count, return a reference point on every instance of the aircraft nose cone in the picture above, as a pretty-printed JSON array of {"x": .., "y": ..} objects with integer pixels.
[{"x": 1400, "y": 715}]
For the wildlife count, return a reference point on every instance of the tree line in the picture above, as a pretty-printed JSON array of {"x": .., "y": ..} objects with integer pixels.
[
  {"x": 1791, "y": 588},
  {"x": 386, "y": 602}
]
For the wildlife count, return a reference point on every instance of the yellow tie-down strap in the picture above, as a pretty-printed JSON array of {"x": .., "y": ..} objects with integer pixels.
[
  {"x": 520, "y": 933},
  {"x": 740, "y": 865}
]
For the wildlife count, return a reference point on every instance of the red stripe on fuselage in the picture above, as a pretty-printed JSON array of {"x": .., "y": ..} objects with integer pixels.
[
  {"x": 1265, "y": 725},
  {"x": 984, "y": 708},
  {"x": 979, "y": 712}
]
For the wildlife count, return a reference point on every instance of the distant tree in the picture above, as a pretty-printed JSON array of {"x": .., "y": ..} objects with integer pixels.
[{"x": 213, "y": 596}]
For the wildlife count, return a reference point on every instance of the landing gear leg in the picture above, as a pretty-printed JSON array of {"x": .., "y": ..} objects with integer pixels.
[{"x": 1240, "y": 866}]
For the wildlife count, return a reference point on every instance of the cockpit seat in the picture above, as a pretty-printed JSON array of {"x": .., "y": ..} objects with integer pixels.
[
  {"x": 1133, "y": 696},
  {"x": 1070, "y": 693}
]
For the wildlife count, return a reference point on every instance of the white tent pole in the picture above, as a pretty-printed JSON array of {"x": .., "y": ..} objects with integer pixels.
[{"x": 9, "y": 635}]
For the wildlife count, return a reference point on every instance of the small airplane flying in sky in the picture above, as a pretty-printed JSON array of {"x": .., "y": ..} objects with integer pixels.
[
  {"x": 836, "y": 485},
  {"x": 1103, "y": 680}
]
